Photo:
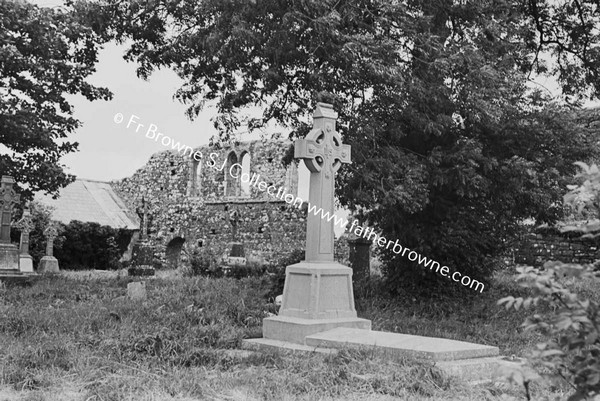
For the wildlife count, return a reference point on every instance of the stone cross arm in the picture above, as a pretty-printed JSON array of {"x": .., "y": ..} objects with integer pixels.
[{"x": 319, "y": 148}]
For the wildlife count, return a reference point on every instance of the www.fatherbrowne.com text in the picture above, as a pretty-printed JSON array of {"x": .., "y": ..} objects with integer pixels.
[{"x": 255, "y": 181}]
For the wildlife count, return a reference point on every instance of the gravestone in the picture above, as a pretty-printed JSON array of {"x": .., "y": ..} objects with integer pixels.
[
  {"x": 143, "y": 252},
  {"x": 48, "y": 263},
  {"x": 318, "y": 294},
  {"x": 25, "y": 224},
  {"x": 237, "y": 256},
  {"x": 359, "y": 256},
  {"x": 9, "y": 253},
  {"x": 136, "y": 291}
]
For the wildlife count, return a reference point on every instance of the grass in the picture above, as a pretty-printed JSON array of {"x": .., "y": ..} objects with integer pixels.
[{"x": 77, "y": 337}]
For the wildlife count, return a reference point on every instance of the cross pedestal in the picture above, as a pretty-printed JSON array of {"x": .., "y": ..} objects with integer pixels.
[{"x": 318, "y": 293}]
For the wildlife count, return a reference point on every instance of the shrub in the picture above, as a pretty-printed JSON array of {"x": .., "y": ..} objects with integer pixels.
[
  {"x": 91, "y": 246},
  {"x": 203, "y": 262},
  {"x": 573, "y": 349}
]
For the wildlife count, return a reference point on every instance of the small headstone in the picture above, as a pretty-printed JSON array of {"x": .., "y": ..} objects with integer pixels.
[
  {"x": 49, "y": 264},
  {"x": 237, "y": 250},
  {"x": 136, "y": 291}
]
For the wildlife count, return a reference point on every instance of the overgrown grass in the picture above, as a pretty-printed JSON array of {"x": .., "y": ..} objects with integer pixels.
[
  {"x": 76, "y": 337},
  {"x": 474, "y": 318}
]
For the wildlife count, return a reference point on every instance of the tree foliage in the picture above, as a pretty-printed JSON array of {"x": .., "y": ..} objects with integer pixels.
[
  {"x": 451, "y": 144},
  {"x": 45, "y": 54}
]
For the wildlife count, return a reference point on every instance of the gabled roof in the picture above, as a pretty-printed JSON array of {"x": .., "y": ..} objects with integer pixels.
[{"x": 91, "y": 201}]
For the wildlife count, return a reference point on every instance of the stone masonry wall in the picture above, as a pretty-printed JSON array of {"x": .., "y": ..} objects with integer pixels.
[
  {"x": 538, "y": 247},
  {"x": 192, "y": 200}
]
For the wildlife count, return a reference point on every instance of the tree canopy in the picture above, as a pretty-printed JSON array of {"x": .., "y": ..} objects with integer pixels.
[
  {"x": 45, "y": 54},
  {"x": 452, "y": 144}
]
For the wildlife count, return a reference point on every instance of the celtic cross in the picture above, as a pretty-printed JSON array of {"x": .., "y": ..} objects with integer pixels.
[
  {"x": 8, "y": 197},
  {"x": 26, "y": 226},
  {"x": 323, "y": 153},
  {"x": 50, "y": 233}
]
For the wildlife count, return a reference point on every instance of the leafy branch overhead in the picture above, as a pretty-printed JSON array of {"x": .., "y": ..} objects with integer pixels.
[{"x": 45, "y": 54}]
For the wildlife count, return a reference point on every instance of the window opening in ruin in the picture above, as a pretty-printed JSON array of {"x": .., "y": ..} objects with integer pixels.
[
  {"x": 232, "y": 181},
  {"x": 245, "y": 185}
]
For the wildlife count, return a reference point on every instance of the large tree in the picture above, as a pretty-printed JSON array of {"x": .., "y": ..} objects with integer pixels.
[
  {"x": 452, "y": 146},
  {"x": 45, "y": 54}
]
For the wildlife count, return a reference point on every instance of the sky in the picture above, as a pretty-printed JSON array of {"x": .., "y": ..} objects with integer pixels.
[{"x": 110, "y": 151}]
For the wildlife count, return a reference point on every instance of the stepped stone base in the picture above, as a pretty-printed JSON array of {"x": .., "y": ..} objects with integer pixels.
[
  {"x": 296, "y": 330},
  {"x": 15, "y": 277},
  {"x": 467, "y": 361},
  {"x": 265, "y": 344},
  {"x": 399, "y": 345},
  {"x": 26, "y": 264}
]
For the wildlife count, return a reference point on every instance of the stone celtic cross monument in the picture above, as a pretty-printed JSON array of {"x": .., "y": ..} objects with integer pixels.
[
  {"x": 143, "y": 251},
  {"x": 317, "y": 309},
  {"x": 318, "y": 293},
  {"x": 9, "y": 253},
  {"x": 49, "y": 264},
  {"x": 26, "y": 226}
]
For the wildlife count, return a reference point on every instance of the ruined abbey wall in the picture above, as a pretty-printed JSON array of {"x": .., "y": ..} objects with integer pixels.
[{"x": 190, "y": 201}]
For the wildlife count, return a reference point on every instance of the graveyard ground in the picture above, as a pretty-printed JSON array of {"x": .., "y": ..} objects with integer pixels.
[{"x": 76, "y": 337}]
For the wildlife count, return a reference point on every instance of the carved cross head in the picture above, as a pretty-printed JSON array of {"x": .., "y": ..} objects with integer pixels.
[
  {"x": 8, "y": 196},
  {"x": 50, "y": 232},
  {"x": 322, "y": 149},
  {"x": 25, "y": 224}
]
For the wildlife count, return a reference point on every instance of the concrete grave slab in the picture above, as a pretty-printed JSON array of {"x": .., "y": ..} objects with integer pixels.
[{"x": 395, "y": 344}]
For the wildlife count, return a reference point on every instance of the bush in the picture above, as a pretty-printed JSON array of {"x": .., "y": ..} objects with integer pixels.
[
  {"x": 91, "y": 246},
  {"x": 573, "y": 350},
  {"x": 203, "y": 262}
]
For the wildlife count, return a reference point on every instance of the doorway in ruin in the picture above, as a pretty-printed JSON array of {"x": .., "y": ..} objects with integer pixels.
[{"x": 173, "y": 252}]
